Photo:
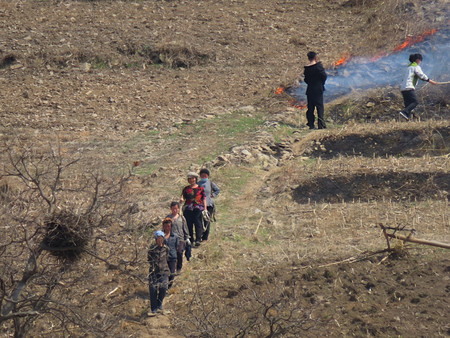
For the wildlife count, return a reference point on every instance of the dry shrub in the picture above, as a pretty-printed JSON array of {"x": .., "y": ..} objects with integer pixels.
[
  {"x": 171, "y": 55},
  {"x": 7, "y": 60},
  {"x": 181, "y": 56},
  {"x": 359, "y": 3},
  {"x": 4, "y": 191},
  {"x": 67, "y": 234},
  {"x": 297, "y": 41},
  {"x": 50, "y": 208},
  {"x": 399, "y": 250},
  {"x": 265, "y": 307}
]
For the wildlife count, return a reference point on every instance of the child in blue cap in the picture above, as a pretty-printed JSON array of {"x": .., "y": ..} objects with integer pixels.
[{"x": 158, "y": 277}]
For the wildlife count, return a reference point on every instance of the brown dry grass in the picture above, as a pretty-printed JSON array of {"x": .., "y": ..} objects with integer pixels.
[{"x": 86, "y": 81}]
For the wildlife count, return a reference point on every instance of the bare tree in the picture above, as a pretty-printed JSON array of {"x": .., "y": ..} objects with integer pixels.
[{"x": 51, "y": 215}]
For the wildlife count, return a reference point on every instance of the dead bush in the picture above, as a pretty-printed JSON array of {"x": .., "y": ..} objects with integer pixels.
[
  {"x": 176, "y": 56},
  {"x": 268, "y": 308},
  {"x": 50, "y": 223},
  {"x": 66, "y": 234},
  {"x": 7, "y": 60}
]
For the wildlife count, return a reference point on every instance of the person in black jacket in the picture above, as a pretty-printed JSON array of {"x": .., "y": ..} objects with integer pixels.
[{"x": 315, "y": 78}]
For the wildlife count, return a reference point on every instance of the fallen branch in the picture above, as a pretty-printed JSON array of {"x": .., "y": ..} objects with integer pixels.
[
  {"x": 257, "y": 228},
  {"x": 364, "y": 256},
  {"x": 347, "y": 260},
  {"x": 411, "y": 239},
  {"x": 420, "y": 241}
]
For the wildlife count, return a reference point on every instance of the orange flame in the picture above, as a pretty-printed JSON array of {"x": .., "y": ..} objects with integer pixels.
[
  {"x": 297, "y": 104},
  {"x": 411, "y": 40},
  {"x": 279, "y": 90},
  {"x": 378, "y": 56},
  {"x": 342, "y": 60}
]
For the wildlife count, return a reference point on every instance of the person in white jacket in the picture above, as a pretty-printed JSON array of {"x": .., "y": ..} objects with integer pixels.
[{"x": 412, "y": 75}]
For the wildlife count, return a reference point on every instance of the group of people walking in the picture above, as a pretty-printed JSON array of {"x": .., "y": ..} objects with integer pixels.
[{"x": 179, "y": 233}]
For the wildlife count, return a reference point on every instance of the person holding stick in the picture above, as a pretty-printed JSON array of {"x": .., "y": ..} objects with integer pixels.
[
  {"x": 412, "y": 74},
  {"x": 211, "y": 191}
]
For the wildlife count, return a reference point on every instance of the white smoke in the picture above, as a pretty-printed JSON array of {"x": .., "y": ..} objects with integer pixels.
[{"x": 360, "y": 73}]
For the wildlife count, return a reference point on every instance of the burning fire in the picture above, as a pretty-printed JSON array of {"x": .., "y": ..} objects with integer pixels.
[
  {"x": 411, "y": 40},
  {"x": 279, "y": 90},
  {"x": 378, "y": 56},
  {"x": 342, "y": 60},
  {"x": 349, "y": 73},
  {"x": 293, "y": 102},
  {"x": 297, "y": 104}
]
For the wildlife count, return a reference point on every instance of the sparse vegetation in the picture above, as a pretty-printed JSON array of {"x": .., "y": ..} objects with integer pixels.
[
  {"x": 161, "y": 88},
  {"x": 47, "y": 211}
]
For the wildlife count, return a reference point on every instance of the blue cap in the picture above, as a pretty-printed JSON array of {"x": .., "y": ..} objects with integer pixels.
[{"x": 159, "y": 233}]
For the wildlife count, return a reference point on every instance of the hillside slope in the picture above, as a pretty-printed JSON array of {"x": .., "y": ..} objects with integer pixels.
[{"x": 94, "y": 90}]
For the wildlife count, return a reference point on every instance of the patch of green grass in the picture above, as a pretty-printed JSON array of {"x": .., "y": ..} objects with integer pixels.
[
  {"x": 100, "y": 64},
  {"x": 156, "y": 65},
  {"x": 208, "y": 158},
  {"x": 236, "y": 178},
  {"x": 242, "y": 240},
  {"x": 239, "y": 123},
  {"x": 171, "y": 136},
  {"x": 138, "y": 139},
  {"x": 283, "y": 132},
  {"x": 199, "y": 126},
  {"x": 264, "y": 233},
  {"x": 180, "y": 125},
  {"x": 233, "y": 181},
  {"x": 228, "y": 130},
  {"x": 133, "y": 65},
  {"x": 145, "y": 171}
]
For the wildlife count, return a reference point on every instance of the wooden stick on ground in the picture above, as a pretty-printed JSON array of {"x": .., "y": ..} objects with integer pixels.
[
  {"x": 420, "y": 241},
  {"x": 414, "y": 240},
  {"x": 257, "y": 228}
]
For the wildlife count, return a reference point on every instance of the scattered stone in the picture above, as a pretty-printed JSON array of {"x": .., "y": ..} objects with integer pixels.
[{"x": 247, "y": 109}]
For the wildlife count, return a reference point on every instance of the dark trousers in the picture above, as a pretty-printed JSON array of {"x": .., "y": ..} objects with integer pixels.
[
  {"x": 410, "y": 100},
  {"x": 194, "y": 220},
  {"x": 172, "y": 268},
  {"x": 158, "y": 284},
  {"x": 206, "y": 224},
  {"x": 179, "y": 261},
  {"x": 315, "y": 101}
]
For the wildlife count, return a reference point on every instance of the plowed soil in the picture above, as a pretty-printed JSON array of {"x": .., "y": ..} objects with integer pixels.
[{"x": 115, "y": 81}]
